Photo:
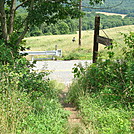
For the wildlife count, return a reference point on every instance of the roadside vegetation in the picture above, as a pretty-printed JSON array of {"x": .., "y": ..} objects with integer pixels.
[
  {"x": 104, "y": 91},
  {"x": 29, "y": 103}
]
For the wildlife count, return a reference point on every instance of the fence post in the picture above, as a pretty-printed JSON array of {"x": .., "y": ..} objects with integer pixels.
[
  {"x": 56, "y": 47},
  {"x": 96, "y": 34}
]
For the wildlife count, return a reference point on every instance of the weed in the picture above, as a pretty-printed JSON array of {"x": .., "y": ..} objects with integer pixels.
[
  {"x": 29, "y": 104},
  {"x": 103, "y": 119},
  {"x": 104, "y": 91}
]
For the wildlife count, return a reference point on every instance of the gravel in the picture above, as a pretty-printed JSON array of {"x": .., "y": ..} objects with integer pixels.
[{"x": 61, "y": 70}]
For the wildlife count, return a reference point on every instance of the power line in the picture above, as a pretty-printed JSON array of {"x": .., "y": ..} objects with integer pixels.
[{"x": 104, "y": 7}]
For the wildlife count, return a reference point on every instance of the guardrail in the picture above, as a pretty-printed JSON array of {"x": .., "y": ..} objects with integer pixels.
[{"x": 51, "y": 52}]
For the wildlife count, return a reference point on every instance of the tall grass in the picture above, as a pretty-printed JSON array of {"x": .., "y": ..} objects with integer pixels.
[
  {"x": 104, "y": 91},
  {"x": 103, "y": 119},
  {"x": 14, "y": 106},
  {"x": 29, "y": 104}
]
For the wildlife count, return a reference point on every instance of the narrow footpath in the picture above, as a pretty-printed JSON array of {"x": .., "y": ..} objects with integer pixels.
[{"x": 75, "y": 125}]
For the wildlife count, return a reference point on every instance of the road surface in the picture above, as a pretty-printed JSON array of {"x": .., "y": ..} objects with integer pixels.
[{"x": 61, "y": 70}]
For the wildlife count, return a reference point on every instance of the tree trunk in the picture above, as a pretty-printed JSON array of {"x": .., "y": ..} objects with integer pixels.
[
  {"x": 3, "y": 21},
  {"x": 12, "y": 14}
]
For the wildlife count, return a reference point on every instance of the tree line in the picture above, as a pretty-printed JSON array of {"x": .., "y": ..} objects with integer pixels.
[{"x": 69, "y": 26}]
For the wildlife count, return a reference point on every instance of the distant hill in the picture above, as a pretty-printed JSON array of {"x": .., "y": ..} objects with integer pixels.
[{"x": 126, "y": 7}]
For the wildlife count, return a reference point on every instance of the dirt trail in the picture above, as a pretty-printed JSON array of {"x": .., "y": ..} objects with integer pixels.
[{"x": 74, "y": 120}]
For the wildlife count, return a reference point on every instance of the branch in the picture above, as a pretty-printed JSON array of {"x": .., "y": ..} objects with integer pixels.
[
  {"x": 26, "y": 25},
  {"x": 21, "y": 4},
  {"x": 12, "y": 14},
  {"x": 22, "y": 35},
  {"x": 22, "y": 24},
  {"x": 30, "y": 0}
]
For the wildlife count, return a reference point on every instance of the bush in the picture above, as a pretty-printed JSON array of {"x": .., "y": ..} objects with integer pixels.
[
  {"x": 104, "y": 91},
  {"x": 29, "y": 103},
  {"x": 50, "y": 118},
  {"x": 103, "y": 119},
  {"x": 15, "y": 105},
  {"x": 5, "y": 53},
  {"x": 112, "y": 77}
]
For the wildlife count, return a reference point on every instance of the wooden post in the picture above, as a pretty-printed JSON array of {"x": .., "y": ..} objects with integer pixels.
[
  {"x": 56, "y": 47},
  {"x": 96, "y": 34}
]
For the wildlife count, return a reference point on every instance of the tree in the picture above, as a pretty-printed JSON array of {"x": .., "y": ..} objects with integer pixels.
[
  {"x": 37, "y": 12},
  {"x": 13, "y": 29},
  {"x": 63, "y": 28}
]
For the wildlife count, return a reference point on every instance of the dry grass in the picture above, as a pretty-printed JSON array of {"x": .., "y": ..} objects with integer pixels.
[
  {"x": 65, "y": 43},
  {"x": 106, "y": 13}
]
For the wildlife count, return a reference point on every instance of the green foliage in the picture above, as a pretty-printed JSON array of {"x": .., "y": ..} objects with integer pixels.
[
  {"x": 35, "y": 32},
  {"x": 72, "y": 56},
  {"x": 5, "y": 53},
  {"x": 105, "y": 120},
  {"x": 51, "y": 118},
  {"x": 78, "y": 70},
  {"x": 104, "y": 91},
  {"x": 34, "y": 85},
  {"x": 94, "y": 2},
  {"x": 14, "y": 24},
  {"x": 29, "y": 103},
  {"x": 111, "y": 76},
  {"x": 15, "y": 105},
  {"x": 130, "y": 15},
  {"x": 69, "y": 25},
  {"x": 9, "y": 53}
]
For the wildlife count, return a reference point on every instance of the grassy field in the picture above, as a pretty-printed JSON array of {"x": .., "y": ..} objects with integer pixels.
[
  {"x": 106, "y": 13},
  {"x": 64, "y": 42}
]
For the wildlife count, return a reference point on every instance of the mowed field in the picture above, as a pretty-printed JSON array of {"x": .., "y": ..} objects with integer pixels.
[
  {"x": 106, "y": 13},
  {"x": 64, "y": 42}
]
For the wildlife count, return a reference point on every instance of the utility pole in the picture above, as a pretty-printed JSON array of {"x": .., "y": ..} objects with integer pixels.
[{"x": 80, "y": 23}]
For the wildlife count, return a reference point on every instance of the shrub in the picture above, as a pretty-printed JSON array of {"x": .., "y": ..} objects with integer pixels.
[
  {"x": 15, "y": 105},
  {"x": 50, "y": 118},
  {"x": 103, "y": 119},
  {"x": 5, "y": 53},
  {"x": 29, "y": 103},
  {"x": 104, "y": 91},
  {"x": 112, "y": 77}
]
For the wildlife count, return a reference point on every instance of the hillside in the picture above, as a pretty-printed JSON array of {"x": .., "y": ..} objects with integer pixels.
[
  {"x": 125, "y": 8},
  {"x": 70, "y": 48},
  {"x": 70, "y": 26}
]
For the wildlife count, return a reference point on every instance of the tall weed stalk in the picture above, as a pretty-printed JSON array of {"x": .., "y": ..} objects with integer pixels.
[{"x": 14, "y": 106}]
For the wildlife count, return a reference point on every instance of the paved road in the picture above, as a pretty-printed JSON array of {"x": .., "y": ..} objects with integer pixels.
[{"x": 61, "y": 70}]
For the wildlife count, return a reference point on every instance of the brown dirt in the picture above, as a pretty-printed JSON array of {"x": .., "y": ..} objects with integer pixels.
[
  {"x": 75, "y": 124},
  {"x": 74, "y": 117}
]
